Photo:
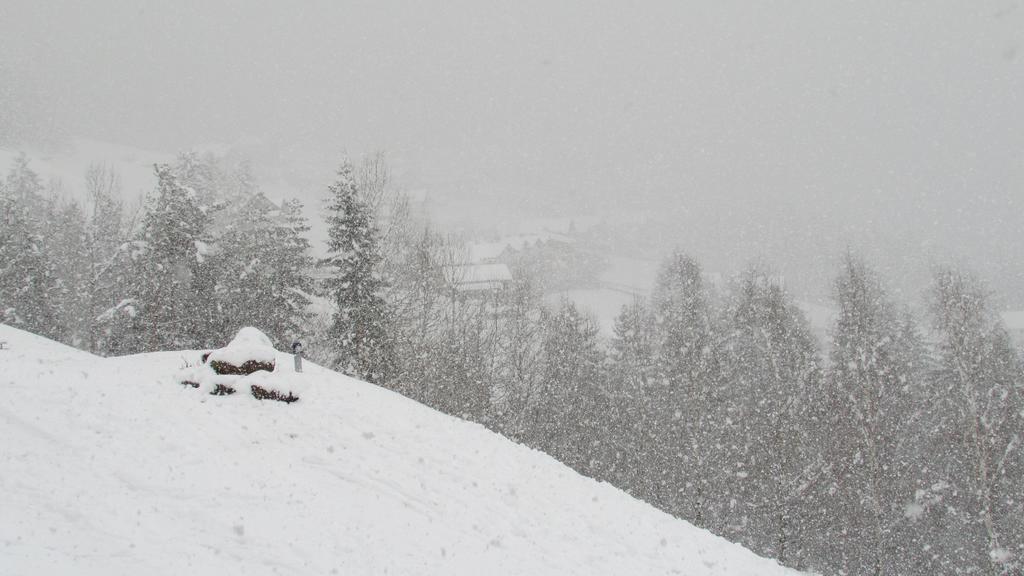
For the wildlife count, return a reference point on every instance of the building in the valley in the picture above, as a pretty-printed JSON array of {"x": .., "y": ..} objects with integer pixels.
[
  {"x": 502, "y": 249},
  {"x": 478, "y": 280}
]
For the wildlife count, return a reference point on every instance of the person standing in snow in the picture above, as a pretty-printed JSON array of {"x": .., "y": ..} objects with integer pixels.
[{"x": 297, "y": 351}]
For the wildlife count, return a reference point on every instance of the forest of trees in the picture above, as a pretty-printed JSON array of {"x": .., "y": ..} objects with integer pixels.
[{"x": 895, "y": 450}]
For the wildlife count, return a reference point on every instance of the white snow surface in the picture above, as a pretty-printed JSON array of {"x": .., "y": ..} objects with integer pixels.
[
  {"x": 110, "y": 466},
  {"x": 248, "y": 344},
  {"x": 69, "y": 163}
]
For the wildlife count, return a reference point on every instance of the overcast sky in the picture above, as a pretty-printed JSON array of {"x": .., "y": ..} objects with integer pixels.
[{"x": 858, "y": 115}]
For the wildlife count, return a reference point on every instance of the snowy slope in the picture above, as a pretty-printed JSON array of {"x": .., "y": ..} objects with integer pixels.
[
  {"x": 69, "y": 164},
  {"x": 107, "y": 466}
]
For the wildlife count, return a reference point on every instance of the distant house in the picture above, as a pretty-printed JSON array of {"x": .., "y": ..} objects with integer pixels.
[
  {"x": 478, "y": 279},
  {"x": 501, "y": 249}
]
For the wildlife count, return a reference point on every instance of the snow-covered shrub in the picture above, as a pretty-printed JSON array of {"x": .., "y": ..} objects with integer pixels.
[
  {"x": 222, "y": 390},
  {"x": 265, "y": 386},
  {"x": 247, "y": 367},
  {"x": 260, "y": 393}
]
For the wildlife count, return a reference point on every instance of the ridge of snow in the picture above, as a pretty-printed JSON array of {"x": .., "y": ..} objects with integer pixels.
[{"x": 110, "y": 466}]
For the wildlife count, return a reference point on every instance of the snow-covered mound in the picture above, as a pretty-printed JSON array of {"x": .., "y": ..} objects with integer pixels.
[
  {"x": 247, "y": 364},
  {"x": 248, "y": 345},
  {"x": 109, "y": 466},
  {"x": 249, "y": 351}
]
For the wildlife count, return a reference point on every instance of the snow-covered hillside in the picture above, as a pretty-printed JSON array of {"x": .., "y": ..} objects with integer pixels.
[
  {"x": 108, "y": 466},
  {"x": 69, "y": 164}
]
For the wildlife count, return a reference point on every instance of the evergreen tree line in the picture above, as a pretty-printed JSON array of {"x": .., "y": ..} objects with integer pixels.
[
  {"x": 900, "y": 454},
  {"x": 206, "y": 255},
  {"x": 897, "y": 453}
]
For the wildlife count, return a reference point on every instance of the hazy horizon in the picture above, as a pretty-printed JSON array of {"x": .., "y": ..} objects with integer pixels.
[{"x": 787, "y": 132}]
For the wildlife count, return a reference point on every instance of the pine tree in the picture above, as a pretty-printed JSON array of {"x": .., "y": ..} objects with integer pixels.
[
  {"x": 359, "y": 332},
  {"x": 25, "y": 189},
  {"x": 520, "y": 356},
  {"x": 104, "y": 237},
  {"x": 568, "y": 411},
  {"x": 29, "y": 287},
  {"x": 634, "y": 347},
  {"x": 294, "y": 264},
  {"x": 632, "y": 374},
  {"x": 418, "y": 296},
  {"x": 687, "y": 400},
  {"x": 29, "y": 290},
  {"x": 202, "y": 175},
  {"x": 874, "y": 387},
  {"x": 980, "y": 415},
  {"x": 261, "y": 273},
  {"x": 773, "y": 403},
  {"x": 67, "y": 245},
  {"x": 166, "y": 298},
  {"x": 460, "y": 380}
]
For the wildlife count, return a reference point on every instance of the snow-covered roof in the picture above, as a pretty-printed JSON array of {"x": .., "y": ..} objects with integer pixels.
[
  {"x": 486, "y": 251},
  {"x": 479, "y": 276}
]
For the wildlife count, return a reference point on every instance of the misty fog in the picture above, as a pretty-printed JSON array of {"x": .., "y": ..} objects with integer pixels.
[
  {"x": 737, "y": 131},
  {"x": 689, "y": 269}
]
